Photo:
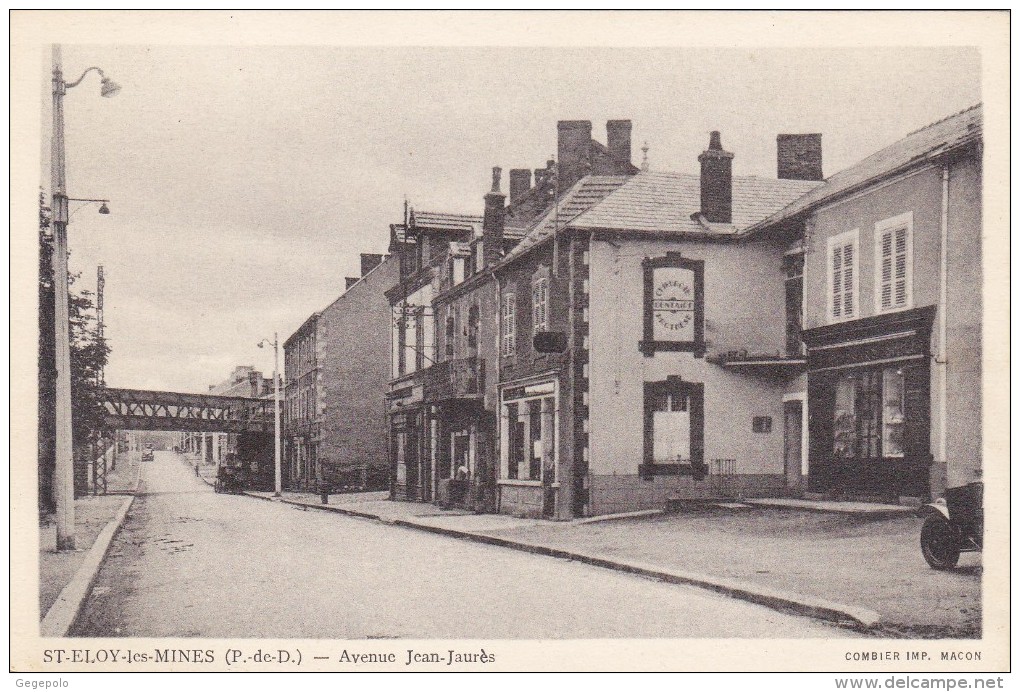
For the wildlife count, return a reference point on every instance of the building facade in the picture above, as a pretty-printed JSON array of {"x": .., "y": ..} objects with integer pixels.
[
  {"x": 353, "y": 347},
  {"x": 301, "y": 424},
  {"x": 892, "y": 316},
  {"x": 619, "y": 382}
]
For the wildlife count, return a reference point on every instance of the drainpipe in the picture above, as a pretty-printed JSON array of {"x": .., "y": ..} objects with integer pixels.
[{"x": 940, "y": 360}]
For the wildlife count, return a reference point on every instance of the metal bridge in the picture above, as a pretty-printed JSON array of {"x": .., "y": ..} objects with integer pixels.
[{"x": 141, "y": 409}]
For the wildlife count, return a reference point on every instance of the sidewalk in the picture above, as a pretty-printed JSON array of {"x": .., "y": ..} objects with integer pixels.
[
  {"x": 863, "y": 567},
  {"x": 93, "y": 514}
]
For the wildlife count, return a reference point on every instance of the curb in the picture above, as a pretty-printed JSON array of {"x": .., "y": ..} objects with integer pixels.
[
  {"x": 65, "y": 609},
  {"x": 889, "y": 513},
  {"x": 810, "y": 606}
]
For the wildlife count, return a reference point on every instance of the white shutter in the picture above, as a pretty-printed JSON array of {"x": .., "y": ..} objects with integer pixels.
[
  {"x": 509, "y": 324},
  {"x": 843, "y": 279},
  {"x": 893, "y": 260},
  {"x": 539, "y": 301}
]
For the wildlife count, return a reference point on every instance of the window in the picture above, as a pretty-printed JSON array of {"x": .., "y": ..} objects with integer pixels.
[
  {"x": 761, "y": 424},
  {"x": 869, "y": 414},
  {"x": 793, "y": 265},
  {"x": 450, "y": 332},
  {"x": 472, "y": 335},
  {"x": 842, "y": 273},
  {"x": 674, "y": 428},
  {"x": 674, "y": 305},
  {"x": 894, "y": 263},
  {"x": 530, "y": 429},
  {"x": 419, "y": 338},
  {"x": 509, "y": 333},
  {"x": 540, "y": 305}
]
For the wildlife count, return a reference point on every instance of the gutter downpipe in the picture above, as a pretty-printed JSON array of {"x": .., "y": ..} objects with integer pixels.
[{"x": 940, "y": 360}]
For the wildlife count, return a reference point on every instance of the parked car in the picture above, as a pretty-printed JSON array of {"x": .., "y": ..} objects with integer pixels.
[{"x": 147, "y": 454}]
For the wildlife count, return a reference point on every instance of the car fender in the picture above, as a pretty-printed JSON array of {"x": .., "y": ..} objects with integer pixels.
[{"x": 934, "y": 509}]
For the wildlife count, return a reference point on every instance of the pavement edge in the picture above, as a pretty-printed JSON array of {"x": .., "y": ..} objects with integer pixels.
[
  {"x": 65, "y": 609},
  {"x": 810, "y": 606}
]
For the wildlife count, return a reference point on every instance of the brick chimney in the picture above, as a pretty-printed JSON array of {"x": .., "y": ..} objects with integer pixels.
[
  {"x": 799, "y": 157},
  {"x": 369, "y": 262},
  {"x": 351, "y": 280},
  {"x": 618, "y": 143},
  {"x": 716, "y": 182},
  {"x": 520, "y": 183},
  {"x": 573, "y": 151},
  {"x": 493, "y": 221}
]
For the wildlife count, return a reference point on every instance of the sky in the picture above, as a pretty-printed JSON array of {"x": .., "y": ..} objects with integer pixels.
[{"x": 245, "y": 181}]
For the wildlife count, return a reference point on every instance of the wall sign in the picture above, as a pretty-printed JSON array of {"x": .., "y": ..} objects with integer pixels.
[{"x": 674, "y": 305}]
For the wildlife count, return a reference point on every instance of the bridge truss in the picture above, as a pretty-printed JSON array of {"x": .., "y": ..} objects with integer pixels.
[{"x": 141, "y": 409}]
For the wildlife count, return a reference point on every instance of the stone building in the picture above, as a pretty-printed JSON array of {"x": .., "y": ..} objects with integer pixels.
[
  {"x": 891, "y": 269},
  {"x": 301, "y": 425}
]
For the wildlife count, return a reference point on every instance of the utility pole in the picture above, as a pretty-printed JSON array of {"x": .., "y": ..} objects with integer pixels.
[
  {"x": 63, "y": 481},
  {"x": 100, "y": 285}
]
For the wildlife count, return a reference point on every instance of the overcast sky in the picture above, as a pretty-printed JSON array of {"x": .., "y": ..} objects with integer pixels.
[{"x": 244, "y": 182}]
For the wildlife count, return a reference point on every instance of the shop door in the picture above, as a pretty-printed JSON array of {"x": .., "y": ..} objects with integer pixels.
[{"x": 792, "y": 437}]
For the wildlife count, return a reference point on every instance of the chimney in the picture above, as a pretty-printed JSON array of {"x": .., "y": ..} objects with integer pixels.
[
  {"x": 716, "y": 182},
  {"x": 618, "y": 143},
  {"x": 351, "y": 280},
  {"x": 799, "y": 157},
  {"x": 369, "y": 262},
  {"x": 492, "y": 222},
  {"x": 520, "y": 183},
  {"x": 573, "y": 151}
]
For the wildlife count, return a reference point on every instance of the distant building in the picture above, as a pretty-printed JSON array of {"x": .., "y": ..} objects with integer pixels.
[
  {"x": 353, "y": 349},
  {"x": 301, "y": 427}
]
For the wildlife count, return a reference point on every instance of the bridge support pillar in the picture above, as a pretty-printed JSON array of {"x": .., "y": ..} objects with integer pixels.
[{"x": 203, "y": 447}]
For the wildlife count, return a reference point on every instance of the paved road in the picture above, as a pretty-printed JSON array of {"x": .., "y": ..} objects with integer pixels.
[{"x": 190, "y": 563}]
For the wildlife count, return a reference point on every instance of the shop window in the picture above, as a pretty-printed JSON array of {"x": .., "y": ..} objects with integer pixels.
[
  {"x": 674, "y": 305},
  {"x": 530, "y": 429},
  {"x": 843, "y": 276},
  {"x": 509, "y": 325},
  {"x": 869, "y": 414},
  {"x": 894, "y": 263}
]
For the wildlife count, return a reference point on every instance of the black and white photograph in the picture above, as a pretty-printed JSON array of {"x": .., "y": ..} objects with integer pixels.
[{"x": 460, "y": 342}]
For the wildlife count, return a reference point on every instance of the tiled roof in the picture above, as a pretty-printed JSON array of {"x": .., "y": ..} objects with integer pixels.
[
  {"x": 944, "y": 135},
  {"x": 400, "y": 233},
  {"x": 586, "y": 192},
  {"x": 441, "y": 221},
  {"x": 664, "y": 202}
]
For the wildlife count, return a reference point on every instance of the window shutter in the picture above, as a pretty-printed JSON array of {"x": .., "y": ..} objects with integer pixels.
[
  {"x": 509, "y": 324},
  {"x": 539, "y": 297},
  {"x": 886, "y": 270},
  {"x": 849, "y": 306},
  {"x": 837, "y": 281},
  {"x": 900, "y": 275}
]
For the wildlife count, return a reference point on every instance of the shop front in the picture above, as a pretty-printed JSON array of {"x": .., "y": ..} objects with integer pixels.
[
  {"x": 869, "y": 403},
  {"x": 528, "y": 483}
]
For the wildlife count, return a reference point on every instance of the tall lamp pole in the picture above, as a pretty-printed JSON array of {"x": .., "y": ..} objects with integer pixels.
[
  {"x": 278, "y": 477},
  {"x": 64, "y": 471}
]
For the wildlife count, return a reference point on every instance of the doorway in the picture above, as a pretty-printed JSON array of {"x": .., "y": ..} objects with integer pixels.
[{"x": 792, "y": 444}]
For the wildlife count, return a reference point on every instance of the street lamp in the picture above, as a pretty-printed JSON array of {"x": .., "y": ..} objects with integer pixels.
[
  {"x": 64, "y": 471},
  {"x": 278, "y": 487}
]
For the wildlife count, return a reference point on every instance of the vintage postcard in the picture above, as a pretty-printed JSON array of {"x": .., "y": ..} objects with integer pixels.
[{"x": 502, "y": 341}]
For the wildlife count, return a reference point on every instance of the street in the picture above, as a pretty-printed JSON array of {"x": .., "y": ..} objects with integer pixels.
[{"x": 191, "y": 563}]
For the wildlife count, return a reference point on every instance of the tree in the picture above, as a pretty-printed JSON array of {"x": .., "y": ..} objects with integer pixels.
[{"x": 89, "y": 355}]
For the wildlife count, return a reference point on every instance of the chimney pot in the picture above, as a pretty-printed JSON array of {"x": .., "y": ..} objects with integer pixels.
[
  {"x": 369, "y": 262},
  {"x": 493, "y": 221},
  {"x": 716, "y": 181},
  {"x": 573, "y": 151},
  {"x": 520, "y": 183},
  {"x": 799, "y": 157},
  {"x": 618, "y": 143}
]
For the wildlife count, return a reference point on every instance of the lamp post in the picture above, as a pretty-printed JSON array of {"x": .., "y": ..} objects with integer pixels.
[
  {"x": 278, "y": 476},
  {"x": 64, "y": 471}
]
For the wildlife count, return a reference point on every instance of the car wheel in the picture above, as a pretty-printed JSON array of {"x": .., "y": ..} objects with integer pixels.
[{"x": 940, "y": 543}]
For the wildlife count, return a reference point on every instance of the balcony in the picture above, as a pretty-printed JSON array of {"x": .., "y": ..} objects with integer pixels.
[
  {"x": 760, "y": 363},
  {"x": 463, "y": 378}
]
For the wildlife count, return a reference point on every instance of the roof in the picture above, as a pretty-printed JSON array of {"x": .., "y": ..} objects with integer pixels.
[
  {"x": 586, "y": 192},
  {"x": 947, "y": 134},
  {"x": 442, "y": 221},
  {"x": 302, "y": 330},
  {"x": 664, "y": 203}
]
